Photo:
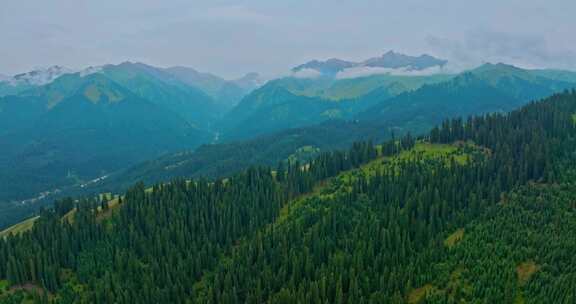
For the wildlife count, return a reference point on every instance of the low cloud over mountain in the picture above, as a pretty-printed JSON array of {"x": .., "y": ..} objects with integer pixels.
[{"x": 390, "y": 62}]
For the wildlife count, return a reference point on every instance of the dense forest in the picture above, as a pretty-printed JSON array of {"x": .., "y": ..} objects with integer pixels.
[{"x": 481, "y": 210}]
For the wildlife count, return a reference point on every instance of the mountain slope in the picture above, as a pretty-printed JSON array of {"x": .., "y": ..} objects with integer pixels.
[
  {"x": 489, "y": 88},
  {"x": 459, "y": 216},
  {"x": 294, "y": 102},
  {"x": 162, "y": 88},
  {"x": 224, "y": 92},
  {"x": 35, "y": 78},
  {"x": 562, "y": 75},
  {"x": 522, "y": 84},
  {"x": 6, "y": 88},
  {"x": 409, "y": 103},
  {"x": 40, "y": 77},
  {"x": 350, "y": 88},
  {"x": 418, "y": 111},
  {"x": 272, "y": 109},
  {"x": 88, "y": 129}
]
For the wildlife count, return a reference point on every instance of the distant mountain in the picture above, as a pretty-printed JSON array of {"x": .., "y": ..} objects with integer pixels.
[
  {"x": 404, "y": 103},
  {"x": 272, "y": 108},
  {"x": 395, "y": 60},
  {"x": 24, "y": 81},
  {"x": 182, "y": 88},
  {"x": 77, "y": 128},
  {"x": 36, "y": 78},
  {"x": 249, "y": 82},
  {"x": 59, "y": 129},
  {"x": 520, "y": 83},
  {"x": 390, "y": 60},
  {"x": 226, "y": 93},
  {"x": 40, "y": 76},
  {"x": 296, "y": 102},
  {"x": 419, "y": 110},
  {"x": 562, "y": 75},
  {"x": 360, "y": 86},
  {"x": 330, "y": 66},
  {"x": 489, "y": 88},
  {"x": 162, "y": 88},
  {"x": 4, "y": 77},
  {"x": 209, "y": 83}
]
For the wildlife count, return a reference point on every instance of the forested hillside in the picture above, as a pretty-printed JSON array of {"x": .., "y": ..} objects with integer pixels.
[{"x": 479, "y": 210}]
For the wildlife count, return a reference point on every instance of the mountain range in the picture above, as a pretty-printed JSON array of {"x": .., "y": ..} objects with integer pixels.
[
  {"x": 60, "y": 128},
  {"x": 415, "y": 102},
  {"x": 105, "y": 127},
  {"x": 375, "y": 115},
  {"x": 389, "y": 60},
  {"x": 98, "y": 127},
  {"x": 225, "y": 92}
]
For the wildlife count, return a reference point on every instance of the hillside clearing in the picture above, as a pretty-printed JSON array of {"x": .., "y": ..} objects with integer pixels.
[
  {"x": 419, "y": 294},
  {"x": 454, "y": 238},
  {"x": 525, "y": 271},
  {"x": 20, "y": 227}
]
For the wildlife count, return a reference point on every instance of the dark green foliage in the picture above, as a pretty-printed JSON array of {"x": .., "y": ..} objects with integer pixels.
[
  {"x": 172, "y": 234},
  {"x": 336, "y": 229},
  {"x": 533, "y": 224}
]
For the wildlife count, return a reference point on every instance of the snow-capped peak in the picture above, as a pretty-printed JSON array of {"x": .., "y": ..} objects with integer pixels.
[
  {"x": 40, "y": 76},
  {"x": 90, "y": 70}
]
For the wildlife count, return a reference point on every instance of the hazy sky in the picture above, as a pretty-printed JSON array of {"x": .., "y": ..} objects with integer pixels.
[{"x": 231, "y": 38}]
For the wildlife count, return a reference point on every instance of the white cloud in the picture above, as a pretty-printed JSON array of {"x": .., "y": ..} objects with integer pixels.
[
  {"x": 90, "y": 70},
  {"x": 526, "y": 50},
  {"x": 306, "y": 73},
  {"x": 364, "y": 71}
]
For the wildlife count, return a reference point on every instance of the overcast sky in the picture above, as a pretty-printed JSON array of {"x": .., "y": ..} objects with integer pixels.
[{"x": 231, "y": 38}]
